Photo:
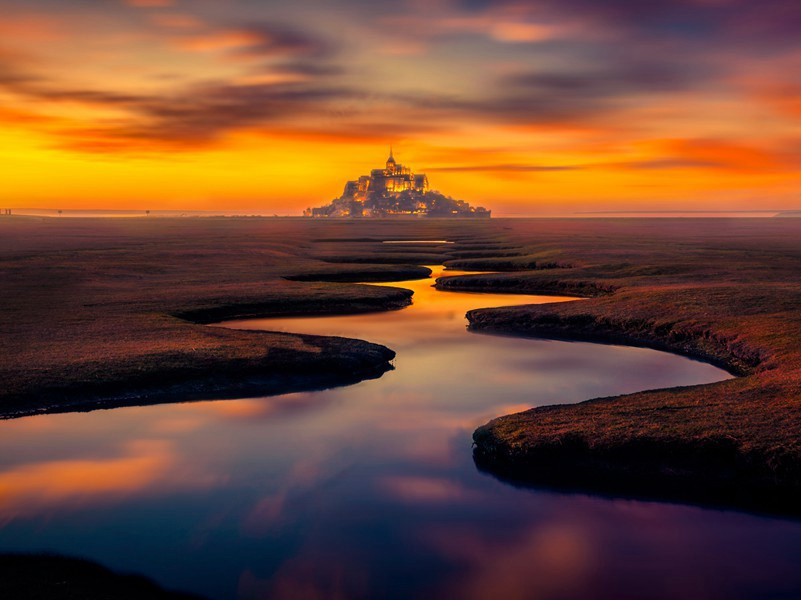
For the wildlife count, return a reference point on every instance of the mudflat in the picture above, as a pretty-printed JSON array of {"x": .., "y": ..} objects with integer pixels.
[
  {"x": 724, "y": 291},
  {"x": 99, "y": 313}
]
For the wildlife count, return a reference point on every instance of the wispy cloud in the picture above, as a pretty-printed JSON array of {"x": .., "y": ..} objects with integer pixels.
[
  {"x": 150, "y": 3},
  {"x": 505, "y": 168},
  {"x": 265, "y": 40},
  {"x": 582, "y": 89}
]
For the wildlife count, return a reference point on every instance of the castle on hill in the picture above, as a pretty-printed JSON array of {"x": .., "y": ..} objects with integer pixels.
[{"x": 394, "y": 191}]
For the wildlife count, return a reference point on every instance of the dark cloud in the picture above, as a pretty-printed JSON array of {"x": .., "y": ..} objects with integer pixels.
[
  {"x": 204, "y": 111},
  {"x": 577, "y": 94},
  {"x": 201, "y": 112},
  {"x": 271, "y": 39},
  {"x": 620, "y": 77},
  {"x": 555, "y": 96},
  {"x": 311, "y": 68},
  {"x": 195, "y": 114},
  {"x": 611, "y": 55},
  {"x": 741, "y": 25}
]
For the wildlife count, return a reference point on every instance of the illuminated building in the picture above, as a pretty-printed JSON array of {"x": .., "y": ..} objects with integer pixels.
[{"x": 392, "y": 191}]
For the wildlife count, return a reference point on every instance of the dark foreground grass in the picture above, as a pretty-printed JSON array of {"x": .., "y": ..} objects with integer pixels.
[{"x": 53, "y": 577}]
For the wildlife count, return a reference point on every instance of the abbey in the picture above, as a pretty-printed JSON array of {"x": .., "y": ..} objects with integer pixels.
[
  {"x": 394, "y": 190},
  {"x": 393, "y": 178}
]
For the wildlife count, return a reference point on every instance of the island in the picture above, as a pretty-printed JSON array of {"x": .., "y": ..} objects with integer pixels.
[{"x": 395, "y": 191}]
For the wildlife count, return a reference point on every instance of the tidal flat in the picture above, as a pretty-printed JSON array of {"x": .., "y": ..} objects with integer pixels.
[{"x": 110, "y": 313}]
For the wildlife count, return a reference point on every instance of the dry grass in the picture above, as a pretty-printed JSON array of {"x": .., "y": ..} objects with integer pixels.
[
  {"x": 106, "y": 312},
  {"x": 728, "y": 291}
]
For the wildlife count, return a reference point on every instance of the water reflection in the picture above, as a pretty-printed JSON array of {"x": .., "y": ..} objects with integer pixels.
[
  {"x": 435, "y": 317},
  {"x": 27, "y": 488},
  {"x": 371, "y": 490}
]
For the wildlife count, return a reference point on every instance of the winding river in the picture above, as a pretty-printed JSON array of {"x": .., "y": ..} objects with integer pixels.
[{"x": 370, "y": 490}]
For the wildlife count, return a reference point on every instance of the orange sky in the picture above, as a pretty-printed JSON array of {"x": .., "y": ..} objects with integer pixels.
[{"x": 523, "y": 107}]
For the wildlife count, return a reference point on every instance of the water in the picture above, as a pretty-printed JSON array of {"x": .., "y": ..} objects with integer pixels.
[{"x": 370, "y": 490}]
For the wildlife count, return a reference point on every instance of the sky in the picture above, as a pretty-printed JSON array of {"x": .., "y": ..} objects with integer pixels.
[{"x": 526, "y": 107}]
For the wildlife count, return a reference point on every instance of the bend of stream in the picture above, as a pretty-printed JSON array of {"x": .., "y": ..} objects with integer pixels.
[{"x": 370, "y": 490}]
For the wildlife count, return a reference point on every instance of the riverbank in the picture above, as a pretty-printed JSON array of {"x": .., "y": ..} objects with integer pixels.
[
  {"x": 725, "y": 294},
  {"x": 100, "y": 313}
]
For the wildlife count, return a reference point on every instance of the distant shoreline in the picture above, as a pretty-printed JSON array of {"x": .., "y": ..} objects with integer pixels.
[{"x": 262, "y": 214}]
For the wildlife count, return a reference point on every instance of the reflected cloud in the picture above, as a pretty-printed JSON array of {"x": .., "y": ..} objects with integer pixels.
[
  {"x": 309, "y": 577},
  {"x": 416, "y": 489},
  {"x": 150, "y": 3},
  {"x": 178, "y": 424},
  {"x": 270, "y": 407},
  {"x": 29, "y": 488},
  {"x": 550, "y": 561},
  {"x": 306, "y": 476},
  {"x": 371, "y": 487},
  {"x": 176, "y": 20}
]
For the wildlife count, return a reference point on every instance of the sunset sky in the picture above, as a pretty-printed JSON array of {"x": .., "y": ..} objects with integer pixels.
[{"x": 535, "y": 107}]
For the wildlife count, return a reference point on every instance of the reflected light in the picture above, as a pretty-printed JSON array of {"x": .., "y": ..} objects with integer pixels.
[
  {"x": 422, "y": 489},
  {"x": 27, "y": 487}
]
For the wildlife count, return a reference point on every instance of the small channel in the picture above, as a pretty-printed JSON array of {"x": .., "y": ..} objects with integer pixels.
[{"x": 370, "y": 490}]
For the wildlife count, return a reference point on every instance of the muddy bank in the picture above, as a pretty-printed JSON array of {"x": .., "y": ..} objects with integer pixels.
[
  {"x": 91, "y": 304},
  {"x": 255, "y": 364},
  {"x": 513, "y": 284},
  {"x": 352, "y": 275},
  {"x": 732, "y": 443},
  {"x": 199, "y": 362},
  {"x": 104, "y": 312},
  {"x": 489, "y": 261},
  {"x": 627, "y": 446},
  {"x": 391, "y": 299},
  {"x": 702, "y": 343},
  {"x": 713, "y": 472}
]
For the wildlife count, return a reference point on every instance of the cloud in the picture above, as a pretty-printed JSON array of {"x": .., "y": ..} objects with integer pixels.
[
  {"x": 505, "y": 168},
  {"x": 192, "y": 115},
  {"x": 611, "y": 79},
  {"x": 731, "y": 154},
  {"x": 265, "y": 40},
  {"x": 32, "y": 486},
  {"x": 150, "y": 3},
  {"x": 571, "y": 96},
  {"x": 286, "y": 75},
  {"x": 505, "y": 64},
  {"x": 500, "y": 26},
  {"x": 217, "y": 40},
  {"x": 175, "y": 20},
  {"x": 669, "y": 154},
  {"x": 671, "y": 163},
  {"x": 201, "y": 114},
  {"x": 738, "y": 24},
  {"x": 35, "y": 27}
]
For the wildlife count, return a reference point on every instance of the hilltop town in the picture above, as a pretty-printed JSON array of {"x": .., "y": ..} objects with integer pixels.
[{"x": 394, "y": 191}]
